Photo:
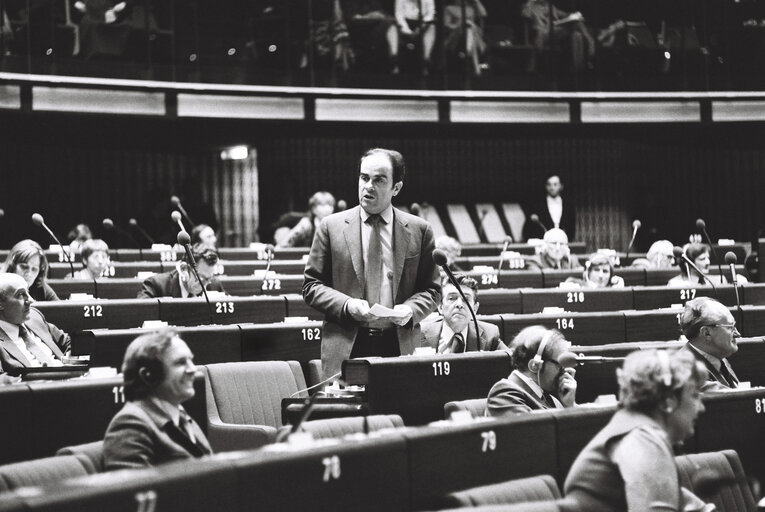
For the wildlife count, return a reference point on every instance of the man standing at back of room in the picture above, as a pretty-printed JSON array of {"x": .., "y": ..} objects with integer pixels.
[
  {"x": 553, "y": 212},
  {"x": 367, "y": 255}
]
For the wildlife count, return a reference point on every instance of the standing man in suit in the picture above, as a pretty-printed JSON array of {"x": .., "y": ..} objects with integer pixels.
[
  {"x": 153, "y": 427},
  {"x": 27, "y": 340},
  {"x": 711, "y": 332},
  {"x": 553, "y": 212},
  {"x": 454, "y": 332},
  {"x": 538, "y": 380},
  {"x": 182, "y": 282},
  {"x": 367, "y": 255}
]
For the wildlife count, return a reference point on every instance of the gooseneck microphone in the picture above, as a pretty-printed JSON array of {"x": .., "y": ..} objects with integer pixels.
[
  {"x": 702, "y": 226},
  {"x": 679, "y": 253},
  {"x": 109, "y": 225},
  {"x": 508, "y": 240},
  {"x": 481, "y": 217},
  {"x": 439, "y": 258},
  {"x": 184, "y": 239},
  {"x": 2, "y": 213},
  {"x": 177, "y": 203},
  {"x": 38, "y": 220},
  {"x": 731, "y": 260},
  {"x": 269, "y": 258},
  {"x": 569, "y": 359},
  {"x": 176, "y": 217},
  {"x": 535, "y": 219},
  {"x": 143, "y": 232},
  {"x": 636, "y": 224}
]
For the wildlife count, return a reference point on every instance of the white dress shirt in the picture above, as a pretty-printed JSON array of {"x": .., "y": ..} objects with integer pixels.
[
  {"x": 555, "y": 207},
  {"x": 13, "y": 333},
  {"x": 445, "y": 345}
]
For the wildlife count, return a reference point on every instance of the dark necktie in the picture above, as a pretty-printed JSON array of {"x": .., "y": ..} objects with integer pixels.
[
  {"x": 549, "y": 400},
  {"x": 184, "y": 423},
  {"x": 458, "y": 344},
  {"x": 43, "y": 358},
  {"x": 729, "y": 376},
  {"x": 373, "y": 268}
]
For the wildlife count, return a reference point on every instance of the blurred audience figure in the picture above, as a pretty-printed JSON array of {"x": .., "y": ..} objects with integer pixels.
[
  {"x": 554, "y": 253},
  {"x": 567, "y": 27},
  {"x": 598, "y": 273},
  {"x": 416, "y": 24},
  {"x": 372, "y": 29},
  {"x": 107, "y": 26},
  {"x": 659, "y": 256},
  {"x": 320, "y": 205},
  {"x": 455, "y": 41},
  {"x": 553, "y": 211},
  {"x": 699, "y": 254},
  {"x": 94, "y": 254},
  {"x": 77, "y": 236},
  {"x": 331, "y": 40},
  {"x": 182, "y": 282},
  {"x": 204, "y": 234},
  {"x": 452, "y": 248},
  {"x": 28, "y": 260},
  {"x": 629, "y": 464}
]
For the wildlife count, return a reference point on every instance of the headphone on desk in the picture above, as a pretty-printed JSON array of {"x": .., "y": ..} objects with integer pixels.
[{"x": 535, "y": 364}]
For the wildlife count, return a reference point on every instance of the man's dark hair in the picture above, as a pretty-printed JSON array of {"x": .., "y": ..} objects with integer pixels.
[
  {"x": 142, "y": 368},
  {"x": 526, "y": 343},
  {"x": 203, "y": 252},
  {"x": 396, "y": 161},
  {"x": 463, "y": 280}
]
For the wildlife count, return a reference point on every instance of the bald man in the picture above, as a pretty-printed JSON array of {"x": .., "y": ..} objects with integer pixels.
[
  {"x": 27, "y": 340},
  {"x": 554, "y": 253}
]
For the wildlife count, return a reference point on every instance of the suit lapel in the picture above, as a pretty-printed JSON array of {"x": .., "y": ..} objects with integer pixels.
[
  {"x": 541, "y": 404},
  {"x": 175, "y": 284},
  {"x": 12, "y": 350},
  {"x": 43, "y": 335},
  {"x": 352, "y": 233},
  {"x": 401, "y": 237},
  {"x": 474, "y": 343},
  {"x": 714, "y": 372}
]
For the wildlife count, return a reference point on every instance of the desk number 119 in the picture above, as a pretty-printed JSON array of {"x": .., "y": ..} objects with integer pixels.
[{"x": 441, "y": 368}]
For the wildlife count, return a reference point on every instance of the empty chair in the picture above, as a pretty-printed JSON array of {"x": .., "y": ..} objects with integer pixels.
[
  {"x": 40, "y": 472},
  {"x": 244, "y": 401},
  {"x": 536, "y": 488},
  {"x": 339, "y": 427},
  {"x": 475, "y": 406},
  {"x": 313, "y": 375},
  {"x": 91, "y": 455},
  {"x": 719, "y": 473}
]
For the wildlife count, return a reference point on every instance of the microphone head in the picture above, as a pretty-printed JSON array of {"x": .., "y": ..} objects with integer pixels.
[
  {"x": 107, "y": 223},
  {"x": 37, "y": 219},
  {"x": 700, "y": 224},
  {"x": 415, "y": 209},
  {"x": 176, "y": 216},
  {"x": 534, "y": 217},
  {"x": 731, "y": 258},
  {"x": 133, "y": 222},
  {"x": 568, "y": 360},
  {"x": 439, "y": 257},
  {"x": 175, "y": 200},
  {"x": 677, "y": 251},
  {"x": 183, "y": 238},
  {"x": 508, "y": 240},
  {"x": 636, "y": 224},
  {"x": 2, "y": 213},
  {"x": 342, "y": 205},
  {"x": 269, "y": 248}
]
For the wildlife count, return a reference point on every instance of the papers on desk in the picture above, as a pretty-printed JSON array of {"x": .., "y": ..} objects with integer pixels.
[{"x": 380, "y": 311}]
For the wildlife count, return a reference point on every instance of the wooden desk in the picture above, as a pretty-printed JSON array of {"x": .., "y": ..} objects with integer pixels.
[
  {"x": 282, "y": 342},
  {"x": 579, "y": 328},
  {"x": 604, "y": 299},
  {"x": 99, "y": 314},
  {"x": 225, "y": 310}
]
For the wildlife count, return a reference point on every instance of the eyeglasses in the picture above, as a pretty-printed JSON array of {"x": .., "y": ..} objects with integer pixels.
[
  {"x": 731, "y": 327},
  {"x": 556, "y": 363}
]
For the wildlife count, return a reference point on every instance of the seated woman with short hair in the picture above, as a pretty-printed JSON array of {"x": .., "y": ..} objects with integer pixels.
[
  {"x": 629, "y": 464},
  {"x": 94, "y": 254},
  {"x": 598, "y": 273}
]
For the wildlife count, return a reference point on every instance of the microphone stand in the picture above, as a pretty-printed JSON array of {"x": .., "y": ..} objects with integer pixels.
[
  {"x": 269, "y": 259},
  {"x": 699, "y": 272},
  {"x": 464, "y": 298},
  {"x": 193, "y": 265},
  {"x": 501, "y": 259},
  {"x": 712, "y": 247}
]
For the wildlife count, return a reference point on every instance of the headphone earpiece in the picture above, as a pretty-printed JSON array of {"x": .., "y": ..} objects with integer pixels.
[
  {"x": 151, "y": 373},
  {"x": 666, "y": 372},
  {"x": 535, "y": 364}
]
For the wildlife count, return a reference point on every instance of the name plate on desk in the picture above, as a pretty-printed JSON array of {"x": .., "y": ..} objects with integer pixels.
[
  {"x": 606, "y": 299},
  {"x": 417, "y": 387}
]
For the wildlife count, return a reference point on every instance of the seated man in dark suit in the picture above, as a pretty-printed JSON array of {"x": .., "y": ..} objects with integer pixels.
[
  {"x": 455, "y": 331},
  {"x": 711, "y": 332},
  {"x": 538, "y": 380},
  {"x": 153, "y": 427},
  {"x": 26, "y": 339},
  {"x": 182, "y": 282}
]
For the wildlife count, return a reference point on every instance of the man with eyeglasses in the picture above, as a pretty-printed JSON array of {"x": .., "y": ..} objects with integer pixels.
[
  {"x": 711, "y": 332},
  {"x": 554, "y": 253},
  {"x": 455, "y": 332},
  {"x": 538, "y": 380},
  {"x": 182, "y": 282}
]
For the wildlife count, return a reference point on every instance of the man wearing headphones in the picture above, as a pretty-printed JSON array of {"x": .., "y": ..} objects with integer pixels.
[
  {"x": 538, "y": 380},
  {"x": 711, "y": 331},
  {"x": 153, "y": 428},
  {"x": 182, "y": 282}
]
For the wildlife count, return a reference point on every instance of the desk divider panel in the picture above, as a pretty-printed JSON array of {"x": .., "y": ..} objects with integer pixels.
[
  {"x": 368, "y": 475},
  {"x": 579, "y": 328},
  {"x": 749, "y": 360},
  {"x": 754, "y": 320},
  {"x": 632, "y": 276},
  {"x": 282, "y": 342},
  {"x": 752, "y": 294},
  {"x": 608, "y": 299},
  {"x": 225, "y": 310},
  {"x": 99, "y": 313},
  {"x": 18, "y": 428},
  {"x": 451, "y": 458},
  {"x": 188, "y": 486},
  {"x": 417, "y": 387},
  {"x": 509, "y": 279}
]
